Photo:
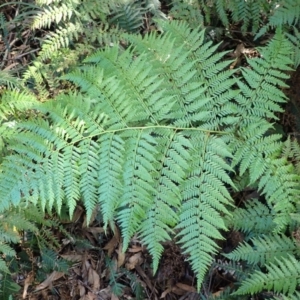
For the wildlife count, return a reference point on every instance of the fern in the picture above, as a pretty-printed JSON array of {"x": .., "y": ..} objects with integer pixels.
[
  {"x": 284, "y": 13},
  {"x": 265, "y": 250},
  {"x": 151, "y": 135},
  {"x": 50, "y": 262},
  {"x": 295, "y": 296},
  {"x": 283, "y": 276},
  {"x": 187, "y": 11},
  {"x": 294, "y": 39},
  {"x": 255, "y": 218},
  {"x": 8, "y": 80},
  {"x": 60, "y": 39},
  {"x": 128, "y": 16},
  {"x": 53, "y": 14}
]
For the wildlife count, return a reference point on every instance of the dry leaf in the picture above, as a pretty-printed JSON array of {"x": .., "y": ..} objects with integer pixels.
[
  {"x": 134, "y": 260},
  {"x": 112, "y": 244},
  {"x": 178, "y": 291},
  {"x": 135, "y": 249},
  {"x": 165, "y": 293},
  {"x": 72, "y": 257},
  {"x": 52, "y": 277},
  {"x": 94, "y": 279},
  {"x": 114, "y": 297},
  {"x": 81, "y": 290},
  {"x": 28, "y": 281},
  {"x": 121, "y": 256},
  {"x": 89, "y": 296},
  {"x": 186, "y": 287},
  {"x": 105, "y": 294}
]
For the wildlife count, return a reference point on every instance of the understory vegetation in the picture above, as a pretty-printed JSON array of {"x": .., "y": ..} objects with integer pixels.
[{"x": 154, "y": 123}]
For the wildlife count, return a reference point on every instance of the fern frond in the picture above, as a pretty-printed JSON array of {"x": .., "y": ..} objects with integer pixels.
[
  {"x": 204, "y": 201},
  {"x": 162, "y": 215},
  {"x": 280, "y": 185},
  {"x": 189, "y": 12},
  {"x": 291, "y": 151},
  {"x": 282, "y": 276},
  {"x": 260, "y": 99},
  {"x": 51, "y": 262},
  {"x": 285, "y": 13},
  {"x": 7, "y": 250},
  {"x": 255, "y": 218},
  {"x": 61, "y": 38},
  {"x": 8, "y": 80},
  {"x": 128, "y": 15},
  {"x": 53, "y": 14},
  {"x": 14, "y": 102},
  {"x": 294, "y": 296},
  {"x": 235, "y": 269},
  {"x": 295, "y": 40},
  {"x": 264, "y": 250},
  {"x": 261, "y": 94}
]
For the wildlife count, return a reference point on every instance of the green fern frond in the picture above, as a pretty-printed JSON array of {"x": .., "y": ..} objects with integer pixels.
[
  {"x": 280, "y": 185},
  {"x": 14, "y": 102},
  {"x": 291, "y": 151},
  {"x": 7, "y": 250},
  {"x": 161, "y": 216},
  {"x": 235, "y": 269},
  {"x": 255, "y": 218},
  {"x": 51, "y": 262},
  {"x": 294, "y": 296},
  {"x": 284, "y": 13},
  {"x": 295, "y": 40},
  {"x": 250, "y": 13},
  {"x": 282, "y": 276},
  {"x": 205, "y": 200},
  {"x": 261, "y": 94},
  {"x": 264, "y": 250},
  {"x": 260, "y": 99},
  {"x": 92, "y": 10},
  {"x": 189, "y": 12},
  {"x": 129, "y": 15},
  {"x": 9, "y": 81},
  {"x": 53, "y": 13},
  {"x": 59, "y": 39},
  {"x": 247, "y": 13},
  {"x": 4, "y": 269}
]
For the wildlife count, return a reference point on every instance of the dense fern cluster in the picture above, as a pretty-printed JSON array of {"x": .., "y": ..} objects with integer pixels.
[{"x": 157, "y": 132}]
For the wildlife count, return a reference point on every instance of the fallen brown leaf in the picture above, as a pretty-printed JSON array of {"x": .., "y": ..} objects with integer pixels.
[
  {"x": 135, "y": 249},
  {"x": 112, "y": 244},
  {"x": 28, "y": 281},
  {"x": 52, "y": 277},
  {"x": 165, "y": 292},
  {"x": 114, "y": 297},
  {"x": 121, "y": 256},
  {"x": 134, "y": 260},
  {"x": 186, "y": 287},
  {"x": 94, "y": 279}
]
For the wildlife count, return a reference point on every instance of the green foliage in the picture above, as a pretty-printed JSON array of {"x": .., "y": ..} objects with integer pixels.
[
  {"x": 115, "y": 276},
  {"x": 283, "y": 13},
  {"x": 149, "y": 137},
  {"x": 265, "y": 249},
  {"x": 159, "y": 131},
  {"x": 255, "y": 218},
  {"x": 282, "y": 276},
  {"x": 50, "y": 262}
]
